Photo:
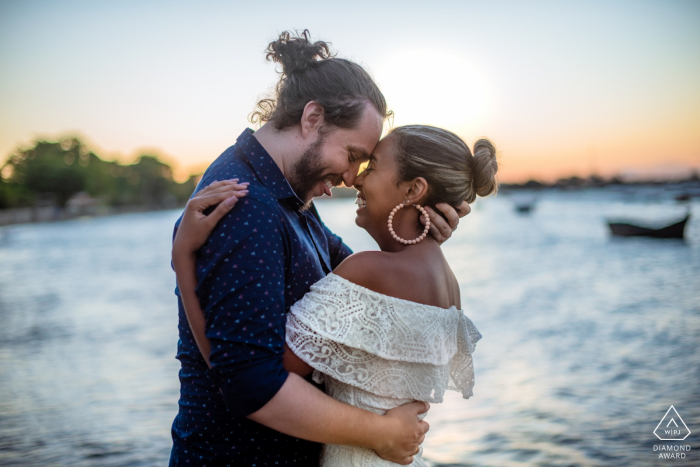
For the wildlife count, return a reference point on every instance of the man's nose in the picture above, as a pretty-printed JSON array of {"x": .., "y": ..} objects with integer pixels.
[
  {"x": 351, "y": 174},
  {"x": 348, "y": 180},
  {"x": 357, "y": 182}
]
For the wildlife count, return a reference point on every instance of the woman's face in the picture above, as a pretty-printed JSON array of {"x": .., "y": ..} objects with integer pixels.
[{"x": 377, "y": 188}]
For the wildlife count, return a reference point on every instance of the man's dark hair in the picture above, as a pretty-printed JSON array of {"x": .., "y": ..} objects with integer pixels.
[{"x": 310, "y": 72}]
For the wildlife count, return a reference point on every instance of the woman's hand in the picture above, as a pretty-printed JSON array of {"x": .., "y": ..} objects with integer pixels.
[
  {"x": 195, "y": 227},
  {"x": 441, "y": 230}
]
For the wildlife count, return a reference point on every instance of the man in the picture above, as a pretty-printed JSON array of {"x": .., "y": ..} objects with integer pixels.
[{"x": 263, "y": 257}]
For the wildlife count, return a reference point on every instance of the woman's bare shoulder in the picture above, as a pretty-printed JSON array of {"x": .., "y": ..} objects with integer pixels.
[
  {"x": 368, "y": 269},
  {"x": 401, "y": 277}
]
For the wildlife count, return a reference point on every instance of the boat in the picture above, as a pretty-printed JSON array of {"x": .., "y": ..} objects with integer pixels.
[
  {"x": 623, "y": 229},
  {"x": 524, "y": 204},
  {"x": 524, "y": 208}
]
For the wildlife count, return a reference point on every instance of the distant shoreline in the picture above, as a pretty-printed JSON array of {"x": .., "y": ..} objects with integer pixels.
[
  {"x": 45, "y": 214},
  {"x": 681, "y": 190},
  {"x": 689, "y": 188}
]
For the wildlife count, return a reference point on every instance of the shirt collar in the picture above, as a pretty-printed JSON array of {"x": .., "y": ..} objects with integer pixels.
[{"x": 265, "y": 167}]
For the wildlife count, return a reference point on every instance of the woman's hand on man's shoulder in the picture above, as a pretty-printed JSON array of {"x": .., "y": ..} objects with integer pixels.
[{"x": 196, "y": 226}]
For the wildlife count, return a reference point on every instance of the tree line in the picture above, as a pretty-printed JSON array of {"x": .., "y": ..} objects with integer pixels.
[{"x": 57, "y": 170}]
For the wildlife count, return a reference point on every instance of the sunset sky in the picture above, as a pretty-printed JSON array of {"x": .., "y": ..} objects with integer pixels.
[{"x": 562, "y": 88}]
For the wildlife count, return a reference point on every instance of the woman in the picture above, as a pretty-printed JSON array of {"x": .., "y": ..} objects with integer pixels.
[{"x": 385, "y": 327}]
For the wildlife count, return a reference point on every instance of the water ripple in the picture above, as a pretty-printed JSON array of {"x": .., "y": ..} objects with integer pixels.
[{"x": 587, "y": 339}]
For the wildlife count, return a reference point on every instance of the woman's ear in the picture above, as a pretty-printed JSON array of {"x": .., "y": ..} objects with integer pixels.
[
  {"x": 417, "y": 190},
  {"x": 311, "y": 120}
]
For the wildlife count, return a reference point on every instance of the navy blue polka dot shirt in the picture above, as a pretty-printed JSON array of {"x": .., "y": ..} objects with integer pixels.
[{"x": 262, "y": 257}]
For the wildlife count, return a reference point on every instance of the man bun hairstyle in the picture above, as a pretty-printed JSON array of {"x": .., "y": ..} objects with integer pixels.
[
  {"x": 295, "y": 54},
  {"x": 453, "y": 173},
  {"x": 311, "y": 72}
]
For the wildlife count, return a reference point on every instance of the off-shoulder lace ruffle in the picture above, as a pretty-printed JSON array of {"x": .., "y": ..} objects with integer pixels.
[{"x": 381, "y": 344}]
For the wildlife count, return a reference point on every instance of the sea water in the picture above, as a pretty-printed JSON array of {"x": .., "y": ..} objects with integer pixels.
[{"x": 587, "y": 339}]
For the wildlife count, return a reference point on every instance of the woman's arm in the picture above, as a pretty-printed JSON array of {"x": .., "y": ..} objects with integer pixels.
[
  {"x": 192, "y": 234},
  {"x": 185, "y": 266}
]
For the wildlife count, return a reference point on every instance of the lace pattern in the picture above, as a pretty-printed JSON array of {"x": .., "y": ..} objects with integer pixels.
[
  {"x": 349, "y": 456},
  {"x": 384, "y": 346}
]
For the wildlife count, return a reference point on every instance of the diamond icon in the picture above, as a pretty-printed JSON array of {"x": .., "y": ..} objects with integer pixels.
[{"x": 671, "y": 427}]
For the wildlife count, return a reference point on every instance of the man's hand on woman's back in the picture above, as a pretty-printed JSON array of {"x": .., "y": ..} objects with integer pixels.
[{"x": 406, "y": 435}]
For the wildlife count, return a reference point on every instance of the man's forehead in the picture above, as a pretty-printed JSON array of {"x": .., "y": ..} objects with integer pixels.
[
  {"x": 370, "y": 130},
  {"x": 363, "y": 139},
  {"x": 364, "y": 145},
  {"x": 359, "y": 152}
]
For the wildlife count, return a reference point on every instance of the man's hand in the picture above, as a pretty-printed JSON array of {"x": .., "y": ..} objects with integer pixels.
[
  {"x": 404, "y": 433},
  {"x": 299, "y": 409},
  {"x": 441, "y": 230}
]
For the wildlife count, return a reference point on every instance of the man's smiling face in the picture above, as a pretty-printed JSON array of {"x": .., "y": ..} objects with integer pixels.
[{"x": 335, "y": 157}]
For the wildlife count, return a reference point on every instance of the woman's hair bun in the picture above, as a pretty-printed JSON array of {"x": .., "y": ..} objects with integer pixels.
[
  {"x": 484, "y": 168},
  {"x": 295, "y": 52},
  {"x": 454, "y": 174}
]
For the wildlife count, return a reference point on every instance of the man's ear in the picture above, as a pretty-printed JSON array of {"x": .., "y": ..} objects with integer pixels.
[{"x": 311, "y": 120}]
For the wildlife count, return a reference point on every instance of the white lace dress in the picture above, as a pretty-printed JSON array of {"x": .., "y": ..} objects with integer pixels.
[{"x": 377, "y": 352}]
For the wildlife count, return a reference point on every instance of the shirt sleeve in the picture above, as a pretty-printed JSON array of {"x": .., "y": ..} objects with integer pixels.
[{"x": 241, "y": 288}]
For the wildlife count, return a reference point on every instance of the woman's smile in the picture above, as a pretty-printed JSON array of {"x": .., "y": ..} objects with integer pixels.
[{"x": 360, "y": 201}]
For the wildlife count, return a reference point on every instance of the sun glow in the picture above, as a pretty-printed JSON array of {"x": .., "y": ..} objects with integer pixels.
[{"x": 435, "y": 87}]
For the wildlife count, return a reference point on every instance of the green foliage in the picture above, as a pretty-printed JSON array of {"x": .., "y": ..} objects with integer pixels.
[
  {"x": 12, "y": 195},
  {"x": 58, "y": 170}
]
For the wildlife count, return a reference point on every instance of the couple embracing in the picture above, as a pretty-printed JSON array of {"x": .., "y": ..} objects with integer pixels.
[{"x": 293, "y": 350}]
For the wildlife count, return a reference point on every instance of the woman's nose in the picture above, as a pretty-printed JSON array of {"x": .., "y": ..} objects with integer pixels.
[
  {"x": 351, "y": 174},
  {"x": 357, "y": 183}
]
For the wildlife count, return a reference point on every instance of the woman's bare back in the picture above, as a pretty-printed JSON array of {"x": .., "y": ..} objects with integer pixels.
[{"x": 419, "y": 274}]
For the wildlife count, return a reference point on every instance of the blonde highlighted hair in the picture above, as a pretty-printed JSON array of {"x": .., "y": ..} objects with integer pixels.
[{"x": 453, "y": 173}]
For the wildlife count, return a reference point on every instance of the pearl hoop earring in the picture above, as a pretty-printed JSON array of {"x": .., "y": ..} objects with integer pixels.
[{"x": 415, "y": 240}]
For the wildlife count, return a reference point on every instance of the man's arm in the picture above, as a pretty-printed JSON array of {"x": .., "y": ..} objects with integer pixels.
[
  {"x": 242, "y": 290},
  {"x": 442, "y": 226},
  {"x": 301, "y": 410},
  {"x": 193, "y": 231},
  {"x": 242, "y": 293}
]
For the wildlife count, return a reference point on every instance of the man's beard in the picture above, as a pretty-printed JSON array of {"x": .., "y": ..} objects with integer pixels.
[{"x": 307, "y": 172}]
